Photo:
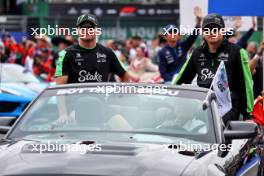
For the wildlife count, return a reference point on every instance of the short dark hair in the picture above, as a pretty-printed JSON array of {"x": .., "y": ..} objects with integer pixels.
[{"x": 162, "y": 39}]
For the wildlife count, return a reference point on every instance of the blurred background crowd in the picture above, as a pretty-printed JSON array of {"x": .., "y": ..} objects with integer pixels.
[{"x": 139, "y": 51}]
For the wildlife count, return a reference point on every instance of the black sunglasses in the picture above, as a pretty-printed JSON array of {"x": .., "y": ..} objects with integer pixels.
[{"x": 87, "y": 25}]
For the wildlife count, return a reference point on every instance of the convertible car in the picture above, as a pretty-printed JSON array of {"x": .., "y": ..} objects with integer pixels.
[{"x": 127, "y": 129}]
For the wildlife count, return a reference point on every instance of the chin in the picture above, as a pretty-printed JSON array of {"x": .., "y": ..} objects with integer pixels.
[
  {"x": 87, "y": 39},
  {"x": 173, "y": 41},
  {"x": 213, "y": 41}
]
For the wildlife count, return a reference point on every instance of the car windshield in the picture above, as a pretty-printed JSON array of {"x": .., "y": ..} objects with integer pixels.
[
  {"x": 179, "y": 115},
  {"x": 16, "y": 73}
]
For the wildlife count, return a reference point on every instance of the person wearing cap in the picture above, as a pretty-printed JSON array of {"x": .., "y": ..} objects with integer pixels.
[
  {"x": 205, "y": 60},
  {"x": 173, "y": 55},
  {"x": 88, "y": 61}
]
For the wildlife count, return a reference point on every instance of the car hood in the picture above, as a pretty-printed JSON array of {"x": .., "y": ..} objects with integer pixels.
[
  {"x": 114, "y": 159},
  {"x": 37, "y": 87},
  {"x": 18, "y": 89},
  {"x": 31, "y": 86}
]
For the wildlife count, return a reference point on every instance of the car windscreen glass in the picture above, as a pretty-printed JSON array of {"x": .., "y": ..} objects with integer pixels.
[{"x": 173, "y": 114}]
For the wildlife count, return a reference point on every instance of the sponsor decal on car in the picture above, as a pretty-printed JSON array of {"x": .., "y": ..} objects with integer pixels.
[{"x": 120, "y": 89}]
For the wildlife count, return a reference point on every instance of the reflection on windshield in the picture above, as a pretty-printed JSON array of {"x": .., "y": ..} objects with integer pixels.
[{"x": 154, "y": 114}]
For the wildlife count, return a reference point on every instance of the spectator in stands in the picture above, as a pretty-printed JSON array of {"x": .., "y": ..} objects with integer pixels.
[
  {"x": 43, "y": 65},
  {"x": 172, "y": 56},
  {"x": 142, "y": 67},
  {"x": 5, "y": 39},
  {"x": 109, "y": 44},
  {"x": 157, "y": 43},
  {"x": 252, "y": 48},
  {"x": 12, "y": 49},
  {"x": 29, "y": 61},
  {"x": 242, "y": 41},
  {"x": 136, "y": 41},
  {"x": 129, "y": 49},
  {"x": 61, "y": 43},
  {"x": 3, "y": 57},
  {"x": 256, "y": 68},
  {"x": 43, "y": 41}
]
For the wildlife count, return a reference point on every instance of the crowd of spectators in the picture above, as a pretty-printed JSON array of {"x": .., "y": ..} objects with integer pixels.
[{"x": 157, "y": 62}]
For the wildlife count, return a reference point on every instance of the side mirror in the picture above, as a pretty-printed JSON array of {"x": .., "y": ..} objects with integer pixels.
[
  {"x": 6, "y": 123},
  {"x": 240, "y": 130}
]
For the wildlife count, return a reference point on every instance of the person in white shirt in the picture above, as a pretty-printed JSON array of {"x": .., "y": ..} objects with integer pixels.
[{"x": 142, "y": 67}]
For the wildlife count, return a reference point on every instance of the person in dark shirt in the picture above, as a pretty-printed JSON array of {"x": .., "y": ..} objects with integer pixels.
[
  {"x": 243, "y": 41},
  {"x": 205, "y": 61},
  {"x": 88, "y": 61},
  {"x": 173, "y": 55}
]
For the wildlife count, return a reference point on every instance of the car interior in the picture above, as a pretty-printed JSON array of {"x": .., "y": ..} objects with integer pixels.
[{"x": 97, "y": 112}]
